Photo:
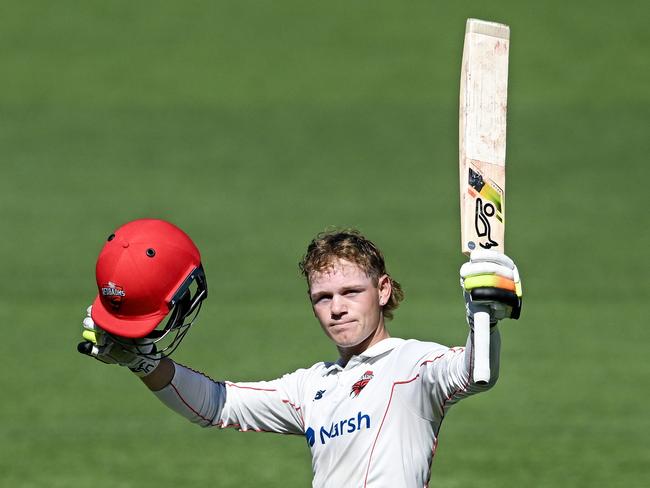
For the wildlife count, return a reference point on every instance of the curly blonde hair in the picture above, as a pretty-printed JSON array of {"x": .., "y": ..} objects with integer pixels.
[{"x": 351, "y": 245}]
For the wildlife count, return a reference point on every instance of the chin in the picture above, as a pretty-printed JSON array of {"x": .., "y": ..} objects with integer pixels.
[
  {"x": 350, "y": 342},
  {"x": 347, "y": 345}
]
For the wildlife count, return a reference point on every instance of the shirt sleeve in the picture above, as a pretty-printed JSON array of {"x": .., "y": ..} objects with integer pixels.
[
  {"x": 265, "y": 406},
  {"x": 447, "y": 374}
]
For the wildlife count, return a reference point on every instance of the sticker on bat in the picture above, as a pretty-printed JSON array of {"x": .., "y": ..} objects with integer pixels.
[
  {"x": 487, "y": 190},
  {"x": 484, "y": 210},
  {"x": 488, "y": 206}
]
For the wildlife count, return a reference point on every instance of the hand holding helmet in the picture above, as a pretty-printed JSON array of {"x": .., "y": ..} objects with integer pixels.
[
  {"x": 148, "y": 270},
  {"x": 139, "y": 355}
]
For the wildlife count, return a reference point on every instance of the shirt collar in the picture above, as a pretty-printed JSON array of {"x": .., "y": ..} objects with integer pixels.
[
  {"x": 378, "y": 349},
  {"x": 381, "y": 347}
]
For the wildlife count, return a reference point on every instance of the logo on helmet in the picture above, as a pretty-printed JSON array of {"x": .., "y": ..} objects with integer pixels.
[{"x": 114, "y": 293}]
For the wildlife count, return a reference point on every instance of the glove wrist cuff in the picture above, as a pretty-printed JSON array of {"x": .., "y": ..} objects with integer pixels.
[{"x": 144, "y": 366}]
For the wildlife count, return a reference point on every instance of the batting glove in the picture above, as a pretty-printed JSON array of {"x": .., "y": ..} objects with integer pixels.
[
  {"x": 139, "y": 355},
  {"x": 491, "y": 283}
]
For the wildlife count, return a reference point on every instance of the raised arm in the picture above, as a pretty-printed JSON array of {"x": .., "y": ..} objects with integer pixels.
[
  {"x": 271, "y": 406},
  {"x": 491, "y": 284},
  {"x": 265, "y": 406},
  {"x": 447, "y": 373}
]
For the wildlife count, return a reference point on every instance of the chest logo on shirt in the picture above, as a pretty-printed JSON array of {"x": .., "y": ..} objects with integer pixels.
[
  {"x": 338, "y": 428},
  {"x": 361, "y": 384},
  {"x": 319, "y": 394}
]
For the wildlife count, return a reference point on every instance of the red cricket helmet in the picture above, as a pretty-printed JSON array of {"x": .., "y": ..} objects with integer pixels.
[{"x": 145, "y": 271}]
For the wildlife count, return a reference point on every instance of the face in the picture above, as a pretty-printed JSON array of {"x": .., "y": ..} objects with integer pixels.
[{"x": 348, "y": 305}]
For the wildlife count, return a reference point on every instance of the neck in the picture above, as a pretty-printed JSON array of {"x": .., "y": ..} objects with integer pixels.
[{"x": 346, "y": 353}]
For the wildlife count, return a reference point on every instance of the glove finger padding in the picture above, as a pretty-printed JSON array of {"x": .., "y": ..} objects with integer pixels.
[
  {"x": 481, "y": 268},
  {"x": 487, "y": 256},
  {"x": 491, "y": 282}
]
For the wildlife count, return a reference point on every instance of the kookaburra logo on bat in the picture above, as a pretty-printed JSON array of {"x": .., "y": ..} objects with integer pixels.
[
  {"x": 488, "y": 206},
  {"x": 484, "y": 210}
]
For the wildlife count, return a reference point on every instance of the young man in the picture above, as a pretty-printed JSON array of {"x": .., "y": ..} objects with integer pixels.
[{"x": 372, "y": 417}]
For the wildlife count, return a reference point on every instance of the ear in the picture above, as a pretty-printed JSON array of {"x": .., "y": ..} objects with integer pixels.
[{"x": 384, "y": 288}]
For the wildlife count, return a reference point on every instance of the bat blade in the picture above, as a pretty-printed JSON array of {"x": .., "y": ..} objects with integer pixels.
[{"x": 482, "y": 135}]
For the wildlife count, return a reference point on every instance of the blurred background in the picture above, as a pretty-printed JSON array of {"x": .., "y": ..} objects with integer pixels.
[{"x": 253, "y": 125}]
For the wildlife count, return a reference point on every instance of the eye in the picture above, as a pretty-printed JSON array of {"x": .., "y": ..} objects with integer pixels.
[
  {"x": 320, "y": 299},
  {"x": 351, "y": 293}
]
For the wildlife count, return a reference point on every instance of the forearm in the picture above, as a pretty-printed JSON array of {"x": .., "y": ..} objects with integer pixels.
[
  {"x": 456, "y": 381},
  {"x": 495, "y": 353},
  {"x": 160, "y": 377},
  {"x": 189, "y": 393}
]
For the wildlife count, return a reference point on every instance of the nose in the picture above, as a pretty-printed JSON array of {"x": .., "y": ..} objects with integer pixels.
[{"x": 338, "y": 306}]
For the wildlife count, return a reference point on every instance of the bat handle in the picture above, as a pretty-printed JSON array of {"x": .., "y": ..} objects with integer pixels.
[{"x": 481, "y": 347}]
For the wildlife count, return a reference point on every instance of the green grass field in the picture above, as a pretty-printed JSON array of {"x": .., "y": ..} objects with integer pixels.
[{"x": 254, "y": 125}]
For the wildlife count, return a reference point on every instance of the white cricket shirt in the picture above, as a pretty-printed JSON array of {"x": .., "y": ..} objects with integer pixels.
[{"x": 372, "y": 423}]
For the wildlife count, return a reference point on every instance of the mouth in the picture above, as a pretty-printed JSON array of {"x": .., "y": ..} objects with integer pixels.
[{"x": 341, "y": 324}]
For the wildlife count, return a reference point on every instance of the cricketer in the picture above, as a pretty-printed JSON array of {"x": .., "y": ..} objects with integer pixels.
[{"x": 370, "y": 418}]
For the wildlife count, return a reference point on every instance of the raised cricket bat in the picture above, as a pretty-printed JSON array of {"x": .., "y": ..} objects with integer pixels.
[{"x": 482, "y": 150}]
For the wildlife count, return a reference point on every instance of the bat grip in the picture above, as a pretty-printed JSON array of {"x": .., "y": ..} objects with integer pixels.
[{"x": 481, "y": 347}]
